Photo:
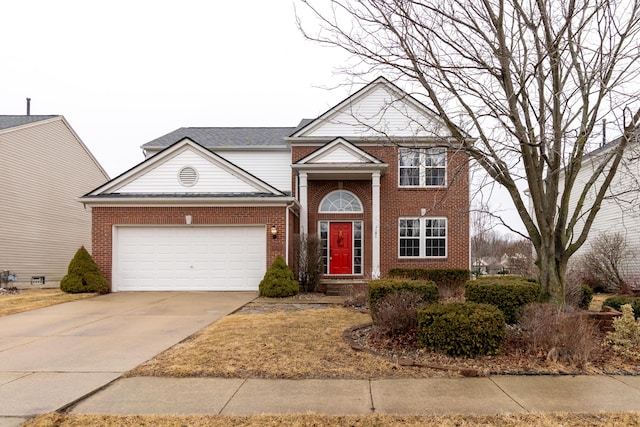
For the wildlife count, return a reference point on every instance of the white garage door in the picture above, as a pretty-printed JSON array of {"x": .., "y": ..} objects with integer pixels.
[{"x": 221, "y": 258}]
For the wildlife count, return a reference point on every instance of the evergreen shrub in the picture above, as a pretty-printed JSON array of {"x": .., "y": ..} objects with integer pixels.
[
  {"x": 587, "y": 297},
  {"x": 278, "y": 281},
  {"x": 509, "y": 293},
  {"x": 461, "y": 329},
  {"x": 618, "y": 301},
  {"x": 84, "y": 275}
]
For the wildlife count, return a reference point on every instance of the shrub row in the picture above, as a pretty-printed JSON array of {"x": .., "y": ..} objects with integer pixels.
[
  {"x": 442, "y": 277},
  {"x": 461, "y": 329},
  {"x": 379, "y": 289},
  {"x": 619, "y": 300},
  {"x": 509, "y": 293}
]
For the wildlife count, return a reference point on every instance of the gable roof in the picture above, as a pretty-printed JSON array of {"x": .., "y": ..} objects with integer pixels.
[
  {"x": 225, "y": 137},
  {"x": 7, "y": 121},
  {"x": 359, "y": 120},
  {"x": 253, "y": 187},
  {"x": 339, "y": 151}
]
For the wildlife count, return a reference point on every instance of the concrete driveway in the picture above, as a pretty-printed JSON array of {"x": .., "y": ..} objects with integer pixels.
[{"x": 56, "y": 355}]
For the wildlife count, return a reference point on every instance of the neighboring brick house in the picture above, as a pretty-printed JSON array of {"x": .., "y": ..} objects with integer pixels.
[{"x": 377, "y": 178}]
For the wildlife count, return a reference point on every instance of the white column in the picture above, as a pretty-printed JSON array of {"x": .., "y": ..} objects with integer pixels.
[
  {"x": 304, "y": 216},
  {"x": 375, "y": 225}
]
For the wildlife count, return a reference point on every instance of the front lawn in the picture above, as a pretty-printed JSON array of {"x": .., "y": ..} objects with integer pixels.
[
  {"x": 31, "y": 299},
  {"x": 311, "y": 420}
]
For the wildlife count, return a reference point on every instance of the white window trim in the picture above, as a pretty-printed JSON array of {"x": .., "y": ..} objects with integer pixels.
[
  {"x": 422, "y": 237},
  {"x": 353, "y": 238},
  {"x": 422, "y": 175}
]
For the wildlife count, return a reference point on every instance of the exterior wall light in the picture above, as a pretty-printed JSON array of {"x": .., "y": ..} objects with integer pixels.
[
  {"x": 274, "y": 231},
  {"x": 187, "y": 219}
]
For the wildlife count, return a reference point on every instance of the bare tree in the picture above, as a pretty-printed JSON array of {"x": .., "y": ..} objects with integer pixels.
[
  {"x": 604, "y": 265},
  {"x": 530, "y": 80}
]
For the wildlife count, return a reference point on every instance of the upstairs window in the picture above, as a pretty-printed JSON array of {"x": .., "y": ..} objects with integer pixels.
[
  {"x": 422, "y": 238},
  {"x": 422, "y": 167}
]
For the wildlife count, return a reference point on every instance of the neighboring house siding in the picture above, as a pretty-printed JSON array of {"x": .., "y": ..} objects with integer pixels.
[
  {"x": 273, "y": 167},
  {"x": 104, "y": 218},
  {"x": 44, "y": 168},
  {"x": 620, "y": 211},
  {"x": 212, "y": 178}
]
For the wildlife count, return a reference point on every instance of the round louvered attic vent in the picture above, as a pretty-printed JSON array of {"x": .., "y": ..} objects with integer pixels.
[{"x": 188, "y": 176}]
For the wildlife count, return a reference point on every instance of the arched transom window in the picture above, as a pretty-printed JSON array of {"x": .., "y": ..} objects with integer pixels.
[{"x": 340, "y": 201}]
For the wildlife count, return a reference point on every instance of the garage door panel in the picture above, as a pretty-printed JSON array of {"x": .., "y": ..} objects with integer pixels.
[{"x": 189, "y": 258}]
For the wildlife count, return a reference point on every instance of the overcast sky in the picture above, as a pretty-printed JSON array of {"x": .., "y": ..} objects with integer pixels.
[{"x": 125, "y": 72}]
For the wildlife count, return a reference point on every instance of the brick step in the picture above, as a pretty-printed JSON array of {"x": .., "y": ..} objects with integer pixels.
[{"x": 342, "y": 287}]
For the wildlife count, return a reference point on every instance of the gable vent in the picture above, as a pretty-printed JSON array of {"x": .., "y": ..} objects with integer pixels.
[{"x": 188, "y": 176}]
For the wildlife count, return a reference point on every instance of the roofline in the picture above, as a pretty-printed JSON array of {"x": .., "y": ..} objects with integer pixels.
[
  {"x": 28, "y": 125},
  {"x": 64, "y": 121},
  {"x": 158, "y": 148},
  {"x": 154, "y": 201},
  {"x": 379, "y": 80},
  {"x": 123, "y": 176}
]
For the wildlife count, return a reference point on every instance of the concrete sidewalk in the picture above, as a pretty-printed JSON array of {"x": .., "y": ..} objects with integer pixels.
[{"x": 438, "y": 396}]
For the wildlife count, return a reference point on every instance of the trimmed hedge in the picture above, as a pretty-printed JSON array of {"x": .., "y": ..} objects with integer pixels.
[
  {"x": 442, "y": 277},
  {"x": 83, "y": 275},
  {"x": 618, "y": 301},
  {"x": 378, "y": 289},
  {"x": 509, "y": 293},
  {"x": 278, "y": 281},
  {"x": 461, "y": 329}
]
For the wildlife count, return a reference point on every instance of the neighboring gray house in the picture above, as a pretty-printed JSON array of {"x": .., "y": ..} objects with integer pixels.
[{"x": 44, "y": 167}]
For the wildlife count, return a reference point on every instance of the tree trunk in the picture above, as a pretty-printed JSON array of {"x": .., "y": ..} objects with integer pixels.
[{"x": 553, "y": 269}]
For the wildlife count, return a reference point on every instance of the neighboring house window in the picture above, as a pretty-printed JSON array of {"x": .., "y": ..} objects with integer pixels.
[
  {"x": 423, "y": 167},
  {"x": 422, "y": 237},
  {"x": 340, "y": 201}
]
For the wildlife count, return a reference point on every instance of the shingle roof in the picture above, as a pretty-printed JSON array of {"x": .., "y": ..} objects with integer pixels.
[
  {"x": 226, "y": 137},
  {"x": 7, "y": 122}
]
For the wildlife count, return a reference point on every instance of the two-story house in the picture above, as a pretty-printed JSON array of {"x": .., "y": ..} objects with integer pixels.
[{"x": 377, "y": 178}]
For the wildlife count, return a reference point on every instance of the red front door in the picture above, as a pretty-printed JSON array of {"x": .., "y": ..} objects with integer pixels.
[{"x": 340, "y": 248}]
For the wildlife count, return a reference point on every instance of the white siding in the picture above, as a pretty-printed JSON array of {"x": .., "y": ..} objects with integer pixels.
[
  {"x": 44, "y": 168},
  {"x": 212, "y": 177},
  {"x": 339, "y": 155},
  {"x": 379, "y": 112},
  {"x": 273, "y": 167},
  {"x": 619, "y": 213}
]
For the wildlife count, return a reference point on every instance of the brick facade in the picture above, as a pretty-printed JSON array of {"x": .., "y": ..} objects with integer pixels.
[
  {"x": 104, "y": 218},
  {"x": 395, "y": 202}
]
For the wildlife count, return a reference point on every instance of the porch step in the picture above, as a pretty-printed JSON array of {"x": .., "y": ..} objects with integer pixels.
[{"x": 342, "y": 287}]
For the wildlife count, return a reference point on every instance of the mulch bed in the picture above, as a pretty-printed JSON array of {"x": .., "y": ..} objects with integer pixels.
[{"x": 513, "y": 360}]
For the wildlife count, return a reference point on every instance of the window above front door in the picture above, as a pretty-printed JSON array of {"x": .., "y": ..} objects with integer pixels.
[{"x": 340, "y": 201}]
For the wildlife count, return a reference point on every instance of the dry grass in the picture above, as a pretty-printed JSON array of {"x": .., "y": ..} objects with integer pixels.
[
  {"x": 31, "y": 299},
  {"x": 575, "y": 420},
  {"x": 598, "y": 299},
  {"x": 301, "y": 344}
]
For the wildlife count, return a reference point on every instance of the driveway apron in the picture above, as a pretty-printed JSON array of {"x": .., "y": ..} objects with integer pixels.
[{"x": 56, "y": 355}]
